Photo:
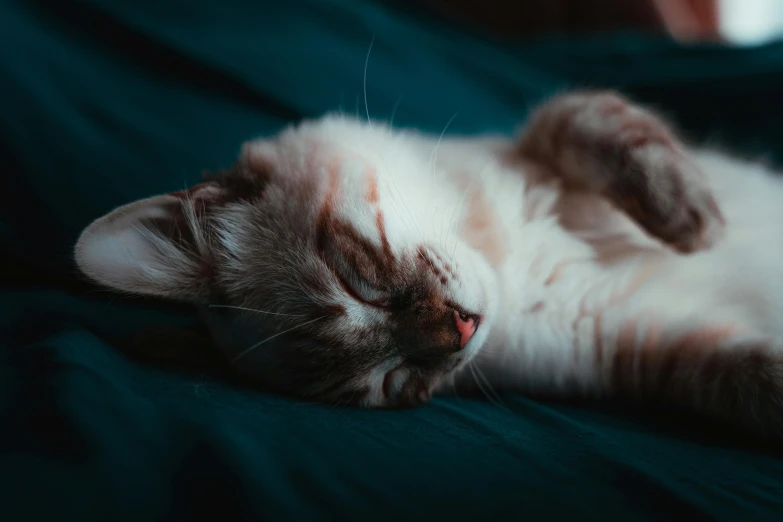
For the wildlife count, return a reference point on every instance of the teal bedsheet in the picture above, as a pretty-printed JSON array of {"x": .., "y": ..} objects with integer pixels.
[{"x": 104, "y": 101}]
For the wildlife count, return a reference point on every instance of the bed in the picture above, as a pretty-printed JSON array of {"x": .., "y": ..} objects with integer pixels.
[{"x": 106, "y": 101}]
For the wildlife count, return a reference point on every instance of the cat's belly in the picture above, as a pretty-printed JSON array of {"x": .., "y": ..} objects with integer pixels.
[
  {"x": 739, "y": 279},
  {"x": 569, "y": 307}
]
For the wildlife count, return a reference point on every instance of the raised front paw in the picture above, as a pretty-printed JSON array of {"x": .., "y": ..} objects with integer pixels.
[
  {"x": 601, "y": 142},
  {"x": 667, "y": 194}
]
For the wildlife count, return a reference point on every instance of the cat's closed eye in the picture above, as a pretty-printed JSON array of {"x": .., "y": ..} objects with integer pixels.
[{"x": 362, "y": 291}]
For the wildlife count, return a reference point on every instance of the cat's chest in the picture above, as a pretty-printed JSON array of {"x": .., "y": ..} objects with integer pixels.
[
  {"x": 573, "y": 253},
  {"x": 549, "y": 248}
]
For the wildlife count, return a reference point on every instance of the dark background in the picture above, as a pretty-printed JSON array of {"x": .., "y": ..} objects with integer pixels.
[{"x": 106, "y": 101}]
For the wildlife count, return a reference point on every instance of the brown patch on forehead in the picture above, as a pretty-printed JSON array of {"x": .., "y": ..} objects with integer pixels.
[
  {"x": 357, "y": 252},
  {"x": 373, "y": 198},
  {"x": 373, "y": 263},
  {"x": 332, "y": 172},
  {"x": 381, "y": 226},
  {"x": 372, "y": 187}
]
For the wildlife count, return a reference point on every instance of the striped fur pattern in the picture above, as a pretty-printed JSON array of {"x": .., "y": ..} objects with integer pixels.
[{"x": 594, "y": 255}]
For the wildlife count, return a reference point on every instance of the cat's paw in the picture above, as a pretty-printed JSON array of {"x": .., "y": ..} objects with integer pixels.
[
  {"x": 655, "y": 179},
  {"x": 601, "y": 142},
  {"x": 687, "y": 217}
]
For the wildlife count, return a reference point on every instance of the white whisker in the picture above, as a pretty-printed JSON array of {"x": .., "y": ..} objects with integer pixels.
[
  {"x": 479, "y": 384},
  {"x": 491, "y": 395},
  {"x": 433, "y": 165},
  {"x": 341, "y": 104},
  {"x": 366, "y": 63},
  {"x": 434, "y": 154},
  {"x": 246, "y": 309},
  {"x": 235, "y": 359},
  {"x": 394, "y": 112}
]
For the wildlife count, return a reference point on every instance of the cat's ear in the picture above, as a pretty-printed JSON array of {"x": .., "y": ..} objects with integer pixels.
[{"x": 157, "y": 246}]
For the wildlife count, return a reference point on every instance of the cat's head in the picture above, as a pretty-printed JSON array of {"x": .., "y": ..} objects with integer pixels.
[{"x": 355, "y": 289}]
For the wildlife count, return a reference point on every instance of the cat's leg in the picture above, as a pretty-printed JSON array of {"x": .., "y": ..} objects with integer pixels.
[
  {"x": 735, "y": 380},
  {"x": 599, "y": 141}
]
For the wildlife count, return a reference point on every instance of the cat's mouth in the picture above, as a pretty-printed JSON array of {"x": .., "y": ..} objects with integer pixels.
[
  {"x": 401, "y": 389},
  {"x": 406, "y": 387}
]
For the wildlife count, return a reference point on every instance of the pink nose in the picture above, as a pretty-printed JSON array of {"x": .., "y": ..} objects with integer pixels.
[{"x": 466, "y": 325}]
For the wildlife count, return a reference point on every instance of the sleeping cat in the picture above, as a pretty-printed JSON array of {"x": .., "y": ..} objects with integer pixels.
[{"x": 595, "y": 255}]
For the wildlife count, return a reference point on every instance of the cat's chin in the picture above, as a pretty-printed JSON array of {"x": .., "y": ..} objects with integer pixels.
[
  {"x": 400, "y": 389},
  {"x": 418, "y": 394}
]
